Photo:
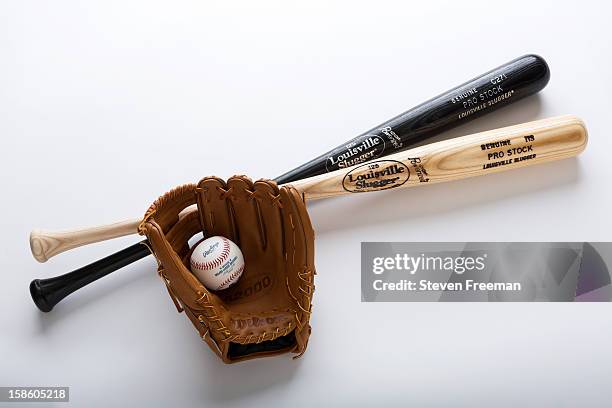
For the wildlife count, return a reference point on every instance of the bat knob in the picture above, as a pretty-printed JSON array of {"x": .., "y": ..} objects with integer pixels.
[
  {"x": 46, "y": 293},
  {"x": 38, "y": 293},
  {"x": 38, "y": 246}
]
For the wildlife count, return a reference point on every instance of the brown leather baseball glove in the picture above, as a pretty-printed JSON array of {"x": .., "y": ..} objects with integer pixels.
[{"x": 267, "y": 311}]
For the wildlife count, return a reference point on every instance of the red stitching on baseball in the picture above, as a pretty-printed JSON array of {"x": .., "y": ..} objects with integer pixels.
[
  {"x": 232, "y": 276},
  {"x": 216, "y": 262}
]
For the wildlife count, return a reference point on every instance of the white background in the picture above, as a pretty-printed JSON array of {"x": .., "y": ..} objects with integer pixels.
[{"x": 106, "y": 105}]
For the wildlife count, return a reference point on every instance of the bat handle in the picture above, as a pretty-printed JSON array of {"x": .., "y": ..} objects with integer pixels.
[
  {"x": 45, "y": 244},
  {"x": 46, "y": 293}
]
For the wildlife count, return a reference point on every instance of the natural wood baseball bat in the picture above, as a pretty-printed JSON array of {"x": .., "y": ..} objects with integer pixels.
[{"x": 468, "y": 156}]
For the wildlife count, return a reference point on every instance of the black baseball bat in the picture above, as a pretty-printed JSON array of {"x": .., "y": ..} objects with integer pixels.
[{"x": 499, "y": 87}]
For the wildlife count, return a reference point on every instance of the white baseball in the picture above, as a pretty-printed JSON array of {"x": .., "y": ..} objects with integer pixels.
[{"x": 217, "y": 262}]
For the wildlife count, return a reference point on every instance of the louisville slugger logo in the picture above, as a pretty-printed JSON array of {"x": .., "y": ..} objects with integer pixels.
[
  {"x": 380, "y": 175},
  {"x": 358, "y": 151}
]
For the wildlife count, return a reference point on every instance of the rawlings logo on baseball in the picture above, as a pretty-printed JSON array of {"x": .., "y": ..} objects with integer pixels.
[
  {"x": 211, "y": 249},
  {"x": 217, "y": 262}
]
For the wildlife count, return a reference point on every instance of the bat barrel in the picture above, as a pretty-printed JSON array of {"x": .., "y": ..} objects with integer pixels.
[
  {"x": 473, "y": 155},
  {"x": 47, "y": 293},
  {"x": 506, "y": 84}
]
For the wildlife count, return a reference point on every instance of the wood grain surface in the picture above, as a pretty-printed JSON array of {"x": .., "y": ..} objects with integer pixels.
[{"x": 468, "y": 156}]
